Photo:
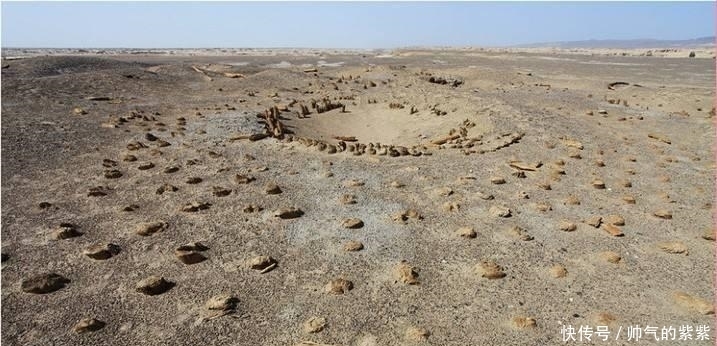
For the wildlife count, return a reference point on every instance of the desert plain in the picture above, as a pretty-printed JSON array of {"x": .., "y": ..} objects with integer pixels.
[{"x": 327, "y": 197}]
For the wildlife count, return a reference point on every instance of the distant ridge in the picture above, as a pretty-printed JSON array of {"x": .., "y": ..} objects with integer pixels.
[{"x": 625, "y": 44}]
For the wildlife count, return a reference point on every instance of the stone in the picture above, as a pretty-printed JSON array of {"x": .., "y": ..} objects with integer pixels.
[
  {"x": 314, "y": 324},
  {"x": 500, "y": 211},
  {"x": 347, "y": 199},
  {"x": 616, "y": 220},
  {"x": 397, "y": 184},
  {"x": 604, "y": 318},
  {"x": 195, "y": 207},
  {"x": 574, "y": 154},
  {"x": 417, "y": 334},
  {"x": 352, "y": 223},
  {"x": 543, "y": 206},
  {"x": 288, "y": 213},
  {"x": 612, "y": 230},
  {"x": 112, "y": 174},
  {"x": 444, "y": 191},
  {"x": 466, "y": 232},
  {"x": 149, "y": 228},
  {"x": 338, "y": 286},
  {"x": 572, "y": 200},
  {"x": 523, "y": 166},
  {"x": 44, "y": 283},
  {"x": 629, "y": 199},
  {"x": 611, "y": 257},
  {"x": 491, "y": 270},
  {"x": 708, "y": 234},
  {"x": 222, "y": 302},
  {"x": 353, "y": 245},
  {"x": 243, "y": 179},
  {"x": 166, "y": 188},
  {"x": 558, "y": 271},
  {"x": 497, "y": 180},
  {"x": 145, "y": 166},
  {"x": 88, "y": 325},
  {"x": 65, "y": 231},
  {"x": 99, "y": 191},
  {"x": 598, "y": 184},
  {"x": 404, "y": 216},
  {"x": 404, "y": 273},
  {"x": 485, "y": 196},
  {"x": 520, "y": 233},
  {"x": 696, "y": 304},
  {"x": 594, "y": 221},
  {"x": 663, "y": 214},
  {"x": 353, "y": 183},
  {"x": 544, "y": 185},
  {"x": 567, "y": 226},
  {"x": 673, "y": 247},
  {"x": 451, "y": 206},
  {"x": 190, "y": 253},
  {"x": 522, "y": 322},
  {"x": 153, "y": 285},
  {"x": 262, "y": 262},
  {"x": 221, "y": 191},
  {"x": 272, "y": 189},
  {"x": 252, "y": 208},
  {"x": 571, "y": 143},
  {"x": 102, "y": 251},
  {"x": 193, "y": 180}
]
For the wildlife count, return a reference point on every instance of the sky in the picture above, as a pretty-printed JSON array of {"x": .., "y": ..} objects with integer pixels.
[{"x": 343, "y": 24}]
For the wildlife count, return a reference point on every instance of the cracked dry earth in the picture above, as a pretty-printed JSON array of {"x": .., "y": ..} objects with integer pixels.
[{"x": 430, "y": 197}]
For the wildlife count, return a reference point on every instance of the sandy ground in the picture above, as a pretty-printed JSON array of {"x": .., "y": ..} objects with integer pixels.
[{"x": 525, "y": 197}]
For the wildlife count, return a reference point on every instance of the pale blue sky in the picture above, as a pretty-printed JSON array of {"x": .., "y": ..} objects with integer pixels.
[{"x": 343, "y": 24}]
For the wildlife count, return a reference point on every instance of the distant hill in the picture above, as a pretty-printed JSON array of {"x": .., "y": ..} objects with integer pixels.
[{"x": 625, "y": 44}]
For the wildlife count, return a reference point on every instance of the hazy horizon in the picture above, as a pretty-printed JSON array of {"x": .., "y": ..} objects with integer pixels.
[{"x": 345, "y": 25}]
